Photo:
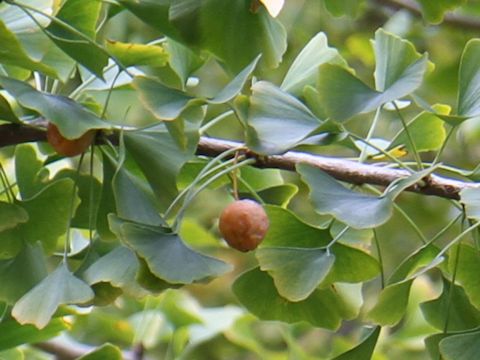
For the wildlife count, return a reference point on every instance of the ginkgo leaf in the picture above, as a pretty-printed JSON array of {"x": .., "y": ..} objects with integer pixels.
[{"x": 60, "y": 287}]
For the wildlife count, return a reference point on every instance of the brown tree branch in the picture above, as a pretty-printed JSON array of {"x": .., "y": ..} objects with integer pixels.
[
  {"x": 450, "y": 18},
  {"x": 341, "y": 169}
]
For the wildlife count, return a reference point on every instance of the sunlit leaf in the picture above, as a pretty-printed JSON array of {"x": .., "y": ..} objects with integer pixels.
[
  {"x": 273, "y": 6},
  {"x": 426, "y": 130},
  {"x": 61, "y": 287},
  {"x": 130, "y": 54}
]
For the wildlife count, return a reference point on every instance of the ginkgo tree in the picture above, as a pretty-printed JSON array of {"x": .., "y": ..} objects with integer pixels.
[{"x": 127, "y": 126}]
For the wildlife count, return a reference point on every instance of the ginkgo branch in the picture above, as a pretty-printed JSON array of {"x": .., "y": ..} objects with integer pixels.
[{"x": 341, "y": 169}]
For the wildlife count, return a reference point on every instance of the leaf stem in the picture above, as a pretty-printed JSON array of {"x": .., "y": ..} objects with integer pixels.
[
  {"x": 207, "y": 170},
  {"x": 380, "y": 259},
  {"x": 215, "y": 121},
  {"x": 409, "y": 136},
  {"x": 444, "y": 145},
  {"x": 67, "y": 247},
  {"x": 336, "y": 238},
  {"x": 390, "y": 156},
  {"x": 371, "y": 131},
  {"x": 193, "y": 194}
]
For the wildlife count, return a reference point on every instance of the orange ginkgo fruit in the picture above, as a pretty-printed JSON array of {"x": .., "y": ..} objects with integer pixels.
[
  {"x": 243, "y": 224},
  {"x": 68, "y": 147}
]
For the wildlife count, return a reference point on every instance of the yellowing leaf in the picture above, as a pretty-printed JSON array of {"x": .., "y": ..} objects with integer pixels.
[
  {"x": 273, "y": 6},
  {"x": 138, "y": 54}
]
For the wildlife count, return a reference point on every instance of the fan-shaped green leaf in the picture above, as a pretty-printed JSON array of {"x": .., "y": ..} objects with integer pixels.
[
  {"x": 471, "y": 199},
  {"x": 104, "y": 352},
  {"x": 461, "y": 347},
  {"x": 130, "y": 54},
  {"x": 392, "y": 304},
  {"x": 468, "y": 81},
  {"x": 304, "y": 69},
  {"x": 61, "y": 287},
  {"x": 296, "y": 272},
  {"x": 364, "y": 350},
  {"x": 234, "y": 87},
  {"x": 81, "y": 15},
  {"x": 14, "y": 54},
  {"x": 168, "y": 257},
  {"x": 21, "y": 273},
  {"x": 323, "y": 308},
  {"x": 163, "y": 102},
  {"x": 118, "y": 267},
  {"x": 399, "y": 72},
  {"x": 30, "y": 173},
  {"x": 6, "y": 111},
  {"x": 160, "y": 158},
  {"x": 11, "y": 215},
  {"x": 14, "y": 334},
  {"x": 72, "y": 119},
  {"x": 353, "y": 208},
  {"x": 433, "y": 11},
  {"x": 466, "y": 271},
  {"x": 182, "y": 60},
  {"x": 271, "y": 112},
  {"x": 462, "y": 316},
  {"x": 343, "y": 7},
  {"x": 426, "y": 130}
]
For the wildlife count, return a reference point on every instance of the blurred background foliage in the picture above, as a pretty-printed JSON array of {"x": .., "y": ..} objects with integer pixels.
[{"x": 205, "y": 321}]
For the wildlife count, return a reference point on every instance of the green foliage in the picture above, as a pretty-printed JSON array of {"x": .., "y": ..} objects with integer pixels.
[{"x": 120, "y": 249}]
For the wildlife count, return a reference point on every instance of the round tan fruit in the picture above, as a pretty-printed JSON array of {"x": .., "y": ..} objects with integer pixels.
[
  {"x": 68, "y": 147},
  {"x": 243, "y": 224}
]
